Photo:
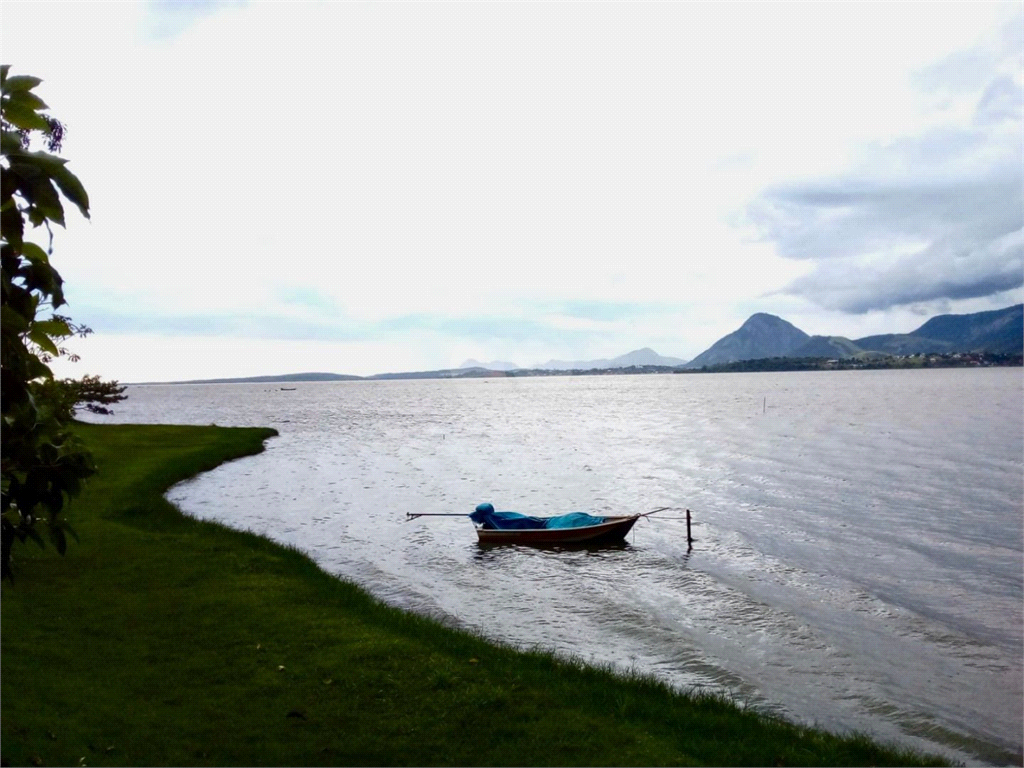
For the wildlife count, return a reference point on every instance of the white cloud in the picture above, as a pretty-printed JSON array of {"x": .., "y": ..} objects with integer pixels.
[{"x": 459, "y": 160}]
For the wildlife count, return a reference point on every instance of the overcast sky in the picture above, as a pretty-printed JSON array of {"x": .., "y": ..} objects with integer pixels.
[{"x": 364, "y": 187}]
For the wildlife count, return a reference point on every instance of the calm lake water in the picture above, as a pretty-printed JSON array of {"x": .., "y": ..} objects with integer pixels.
[{"x": 860, "y": 552}]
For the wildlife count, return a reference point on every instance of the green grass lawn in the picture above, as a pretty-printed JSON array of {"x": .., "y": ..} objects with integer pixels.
[{"x": 162, "y": 640}]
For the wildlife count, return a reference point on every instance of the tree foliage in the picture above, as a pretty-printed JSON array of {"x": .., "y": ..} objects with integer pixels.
[
  {"x": 64, "y": 397},
  {"x": 42, "y": 462}
]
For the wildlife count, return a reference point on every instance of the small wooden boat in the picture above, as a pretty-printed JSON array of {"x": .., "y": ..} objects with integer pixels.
[
  {"x": 612, "y": 529},
  {"x": 573, "y": 528}
]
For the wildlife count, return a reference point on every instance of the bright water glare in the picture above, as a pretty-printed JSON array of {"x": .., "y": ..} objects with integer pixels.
[{"x": 859, "y": 552}]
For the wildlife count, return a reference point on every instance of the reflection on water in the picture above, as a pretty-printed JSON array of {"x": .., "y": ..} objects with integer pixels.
[{"x": 858, "y": 561}]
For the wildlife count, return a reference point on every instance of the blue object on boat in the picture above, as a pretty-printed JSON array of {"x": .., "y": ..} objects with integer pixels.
[
  {"x": 573, "y": 520},
  {"x": 506, "y": 521}
]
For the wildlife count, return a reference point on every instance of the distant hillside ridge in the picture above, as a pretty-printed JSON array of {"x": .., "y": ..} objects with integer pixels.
[
  {"x": 838, "y": 347},
  {"x": 285, "y": 378},
  {"x": 494, "y": 365},
  {"x": 443, "y": 373},
  {"x": 998, "y": 331},
  {"x": 762, "y": 335},
  {"x": 644, "y": 356},
  {"x": 903, "y": 344}
]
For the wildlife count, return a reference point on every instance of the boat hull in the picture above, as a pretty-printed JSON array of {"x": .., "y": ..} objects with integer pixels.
[{"x": 612, "y": 529}]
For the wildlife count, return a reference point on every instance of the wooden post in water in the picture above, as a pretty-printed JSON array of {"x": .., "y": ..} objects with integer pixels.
[{"x": 689, "y": 536}]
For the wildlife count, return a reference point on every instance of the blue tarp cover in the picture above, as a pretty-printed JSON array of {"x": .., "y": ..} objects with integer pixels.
[{"x": 486, "y": 516}]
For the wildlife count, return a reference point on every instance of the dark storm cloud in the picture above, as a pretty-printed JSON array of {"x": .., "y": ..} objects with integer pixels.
[
  {"x": 894, "y": 242},
  {"x": 946, "y": 271},
  {"x": 849, "y": 218},
  {"x": 933, "y": 217}
]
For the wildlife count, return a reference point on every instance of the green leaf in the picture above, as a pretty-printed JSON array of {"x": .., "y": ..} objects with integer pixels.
[
  {"x": 36, "y": 166},
  {"x": 53, "y": 327},
  {"x": 20, "y": 82},
  {"x": 37, "y": 369},
  {"x": 67, "y": 527},
  {"x": 33, "y": 534},
  {"x": 12, "y": 225},
  {"x": 41, "y": 277},
  {"x": 4, "y": 69},
  {"x": 10, "y": 142},
  {"x": 21, "y": 115},
  {"x": 42, "y": 340},
  {"x": 58, "y": 538},
  {"x": 48, "y": 162},
  {"x": 73, "y": 189},
  {"x": 34, "y": 253},
  {"x": 29, "y": 99},
  {"x": 39, "y": 193},
  {"x": 11, "y": 320}
]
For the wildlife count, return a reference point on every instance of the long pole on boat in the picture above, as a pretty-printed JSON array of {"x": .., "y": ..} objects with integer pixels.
[
  {"x": 659, "y": 509},
  {"x": 412, "y": 515}
]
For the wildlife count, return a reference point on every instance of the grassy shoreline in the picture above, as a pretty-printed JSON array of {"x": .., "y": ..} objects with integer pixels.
[{"x": 163, "y": 640}]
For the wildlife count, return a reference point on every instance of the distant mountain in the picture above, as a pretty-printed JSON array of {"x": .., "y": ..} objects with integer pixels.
[
  {"x": 980, "y": 328},
  {"x": 999, "y": 331},
  {"x": 494, "y": 365},
  {"x": 762, "y": 335},
  {"x": 645, "y": 356}
]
